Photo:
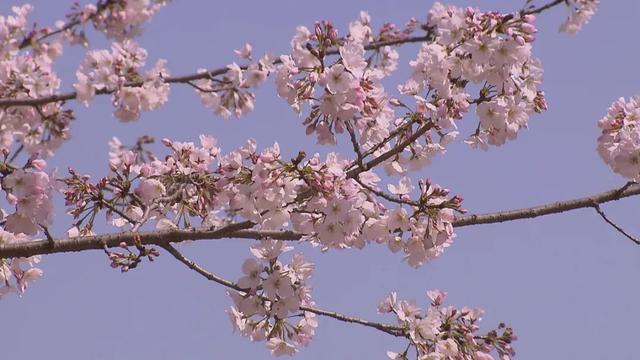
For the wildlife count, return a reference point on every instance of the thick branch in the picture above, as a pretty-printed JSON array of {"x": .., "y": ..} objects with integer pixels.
[
  {"x": 98, "y": 242},
  {"x": 242, "y": 230},
  {"x": 552, "y": 208},
  {"x": 389, "y": 329}
]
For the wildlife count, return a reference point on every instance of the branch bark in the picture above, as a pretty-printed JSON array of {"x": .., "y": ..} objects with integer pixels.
[{"x": 243, "y": 230}]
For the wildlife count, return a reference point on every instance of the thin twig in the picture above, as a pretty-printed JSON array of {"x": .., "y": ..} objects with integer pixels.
[
  {"x": 16, "y": 153},
  {"x": 548, "y": 6},
  {"x": 388, "y": 197},
  {"x": 391, "y": 152},
  {"x": 389, "y": 329},
  {"x": 355, "y": 144},
  {"x": 597, "y": 208},
  {"x": 29, "y": 40},
  {"x": 199, "y": 269}
]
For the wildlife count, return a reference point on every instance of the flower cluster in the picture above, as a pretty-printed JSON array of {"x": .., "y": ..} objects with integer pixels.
[
  {"x": 229, "y": 95},
  {"x": 348, "y": 213},
  {"x": 316, "y": 198},
  {"x": 143, "y": 187},
  {"x": 118, "y": 71},
  {"x": 444, "y": 332},
  {"x": 581, "y": 13},
  {"x": 16, "y": 273},
  {"x": 350, "y": 89},
  {"x": 619, "y": 143},
  {"x": 122, "y": 19},
  {"x": 274, "y": 293},
  {"x": 40, "y": 129},
  {"x": 474, "y": 47},
  {"x": 29, "y": 189},
  {"x": 11, "y": 28}
]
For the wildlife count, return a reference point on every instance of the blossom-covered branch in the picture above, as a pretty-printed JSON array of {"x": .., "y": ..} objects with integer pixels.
[
  {"x": 184, "y": 79},
  {"x": 440, "y": 329},
  {"x": 241, "y": 231},
  {"x": 468, "y": 60},
  {"x": 78, "y": 17}
]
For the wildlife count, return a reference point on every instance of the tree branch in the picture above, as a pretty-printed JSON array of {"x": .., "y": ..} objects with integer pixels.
[
  {"x": 542, "y": 8},
  {"x": 243, "y": 230},
  {"x": 389, "y": 329},
  {"x": 615, "y": 226},
  {"x": 391, "y": 152},
  {"x": 552, "y": 208},
  {"x": 355, "y": 144}
]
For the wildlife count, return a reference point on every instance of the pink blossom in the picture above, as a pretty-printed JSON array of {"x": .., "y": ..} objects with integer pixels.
[
  {"x": 244, "y": 52},
  {"x": 581, "y": 13},
  {"x": 279, "y": 347},
  {"x": 149, "y": 190}
]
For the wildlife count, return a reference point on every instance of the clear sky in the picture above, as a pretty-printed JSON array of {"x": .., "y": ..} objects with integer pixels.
[{"x": 566, "y": 283}]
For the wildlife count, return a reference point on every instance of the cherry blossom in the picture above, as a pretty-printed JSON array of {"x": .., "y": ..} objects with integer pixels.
[
  {"x": 334, "y": 201},
  {"x": 115, "y": 71},
  {"x": 124, "y": 18},
  {"x": 619, "y": 143},
  {"x": 273, "y": 291},
  {"x": 581, "y": 13},
  {"x": 444, "y": 332},
  {"x": 470, "y": 49},
  {"x": 17, "y": 273}
]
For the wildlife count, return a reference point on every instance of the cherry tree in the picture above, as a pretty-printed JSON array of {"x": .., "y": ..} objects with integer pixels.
[{"x": 375, "y": 135}]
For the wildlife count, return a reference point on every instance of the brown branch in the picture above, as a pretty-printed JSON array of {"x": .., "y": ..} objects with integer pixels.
[
  {"x": 542, "y": 8},
  {"x": 98, "y": 242},
  {"x": 243, "y": 230},
  {"x": 199, "y": 269},
  {"x": 400, "y": 129},
  {"x": 389, "y": 329},
  {"x": 355, "y": 144},
  {"x": 552, "y": 208},
  {"x": 386, "y": 196},
  {"x": 614, "y": 225},
  {"x": 391, "y": 152}
]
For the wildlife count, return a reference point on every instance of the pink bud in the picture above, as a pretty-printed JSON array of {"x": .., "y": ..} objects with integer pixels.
[{"x": 529, "y": 28}]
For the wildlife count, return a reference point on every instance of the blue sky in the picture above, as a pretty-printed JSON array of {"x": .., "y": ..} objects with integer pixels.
[{"x": 566, "y": 283}]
